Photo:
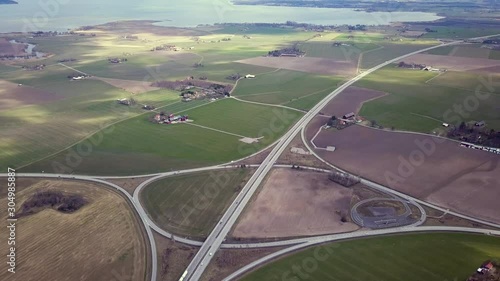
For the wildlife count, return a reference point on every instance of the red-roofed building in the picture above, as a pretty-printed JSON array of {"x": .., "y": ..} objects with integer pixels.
[{"x": 488, "y": 266}]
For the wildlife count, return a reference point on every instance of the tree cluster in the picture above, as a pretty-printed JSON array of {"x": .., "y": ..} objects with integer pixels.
[
  {"x": 475, "y": 135},
  {"x": 292, "y": 50},
  {"x": 52, "y": 199}
]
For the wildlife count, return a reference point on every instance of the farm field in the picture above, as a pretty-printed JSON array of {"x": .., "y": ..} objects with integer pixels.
[
  {"x": 443, "y": 51},
  {"x": 191, "y": 205},
  {"x": 414, "y": 105},
  {"x": 325, "y": 66},
  {"x": 447, "y": 174},
  {"x": 166, "y": 147},
  {"x": 473, "y": 51},
  {"x": 99, "y": 241},
  {"x": 454, "y": 63},
  {"x": 390, "y": 51},
  {"x": 256, "y": 118},
  {"x": 151, "y": 66},
  {"x": 495, "y": 55},
  {"x": 14, "y": 95},
  {"x": 32, "y": 132},
  {"x": 342, "y": 53},
  {"x": 469, "y": 81},
  {"x": 285, "y": 86},
  {"x": 457, "y": 32},
  {"x": 315, "y": 204},
  {"x": 432, "y": 257}
]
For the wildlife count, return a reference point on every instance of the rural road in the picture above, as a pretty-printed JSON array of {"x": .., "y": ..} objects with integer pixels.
[
  {"x": 214, "y": 240},
  {"x": 359, "y": 234},
  {"x": 216, "y": 237}
]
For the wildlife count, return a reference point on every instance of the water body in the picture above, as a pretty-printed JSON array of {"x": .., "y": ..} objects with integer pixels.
[
  {"x": 29, "y": 49},
  {"x": 61, "y": 15}
]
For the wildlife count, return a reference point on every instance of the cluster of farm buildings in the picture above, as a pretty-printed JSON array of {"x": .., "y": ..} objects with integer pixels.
[
  {"x": 342, "y": 122},
  {"x": 487, "y": 271},
  {"x": 419, "y": 67},
  {"x": 162, "y": 118}
]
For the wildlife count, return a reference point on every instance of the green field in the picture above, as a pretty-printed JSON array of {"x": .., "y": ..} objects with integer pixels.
[
  {"x": 467, "y": 80},
  {"x": 443, "y": 51},
  {"x": 472, "y": 52},
  {"x": 459, "y": 32},
  {"x": 249, "y": 120},
  {"x": 389, "y": 51},
  {"x": 286, "y": 87},
  {"x": 414, "y": 257},
  {"x": 32, "y": 132},
  {"x": 173, "y": 147},
  {"x": 191, "y": 205},
  {"x": 495, "y": 55},
  {"x": 327, "y": 50},
  {"x": 7, "y": 68},
  {"x": 414, "y": 105}
]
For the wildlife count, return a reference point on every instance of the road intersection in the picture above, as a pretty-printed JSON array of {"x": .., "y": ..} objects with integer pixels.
[{"x": 216, "y": 238}]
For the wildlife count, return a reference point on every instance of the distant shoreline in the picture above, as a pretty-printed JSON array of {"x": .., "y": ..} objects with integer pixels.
[{"x": 7, "y": 2}]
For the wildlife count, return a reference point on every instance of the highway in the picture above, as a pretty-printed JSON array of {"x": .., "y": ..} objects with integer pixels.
[
  {"x": 214, "y": 240},
  {"x": 357, "y": 234},
  {"x": 217, "y": 236}
]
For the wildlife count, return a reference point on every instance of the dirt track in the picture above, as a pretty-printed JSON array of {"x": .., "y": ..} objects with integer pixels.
[
  {"x": 306, "y": 64},
  {"x": 443, "y": 173},
  {"x": 296, "y": 203}
]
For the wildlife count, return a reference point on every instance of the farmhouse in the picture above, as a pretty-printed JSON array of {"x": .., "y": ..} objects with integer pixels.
[
  {"x": 148, "y": 107},
  {"x": 431, "y": 69},
  {"x": 77, "y": 77},
  {"x": 162, "y": 118},
  {"x": 116, "y": 60},
  {"x": 480, "y": 124},
  {"x": 34, "y": 67},
  {"x": 249, "y": 76},
  {"x": 124, "y": 102},
  {"x": 485, "y": 268}
]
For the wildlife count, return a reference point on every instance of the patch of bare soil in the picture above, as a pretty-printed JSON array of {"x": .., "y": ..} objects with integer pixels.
[
  {"x": 306, "y": 64},
  {"x": 296, "y": 203},
  {"x": 173, "y": 258},
  {"x": 129, "y": 184},
  {"x": 433, "y": 169},
  {"x": 14, "y": 95},
  {"x": 438, "y": 218},
  {"x": 256, "y": 159},
  {"x": 227, "y": 261},
  {"x": 293, "y": 158},
  {"x": 11, "y": 49},
  {"x": 350, "y": 100},
  {"x": 453, "y": 62}
]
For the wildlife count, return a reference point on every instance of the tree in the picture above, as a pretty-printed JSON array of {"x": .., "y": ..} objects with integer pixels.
[
  {"x": 373, "y": 123},
  {"x": 462, "y": 126}
]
